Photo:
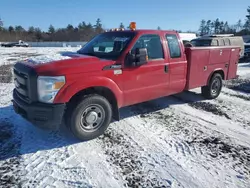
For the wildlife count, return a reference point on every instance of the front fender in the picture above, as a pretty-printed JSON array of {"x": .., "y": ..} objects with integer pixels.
[{"x": 69, "y": 90}]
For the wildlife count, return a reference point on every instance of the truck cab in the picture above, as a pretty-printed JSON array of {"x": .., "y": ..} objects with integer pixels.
[{"x": 118, "y": 68}]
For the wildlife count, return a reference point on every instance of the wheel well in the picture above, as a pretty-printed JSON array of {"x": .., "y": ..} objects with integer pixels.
[
  {"x": 103, "y": 91},
  {"x": 221, "y": 72}
]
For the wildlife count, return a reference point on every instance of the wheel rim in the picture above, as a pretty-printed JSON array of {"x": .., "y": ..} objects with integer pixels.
[
  {"x": 92, "y": 118},
  {"x": 215, "y": 86}
]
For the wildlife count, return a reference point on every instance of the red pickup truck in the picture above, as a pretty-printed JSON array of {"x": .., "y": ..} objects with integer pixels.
[{"x": 115, "y": 69}]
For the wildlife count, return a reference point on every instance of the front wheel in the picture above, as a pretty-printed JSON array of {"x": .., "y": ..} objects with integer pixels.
[
  {"x": 213, "y": 89},
  {"x": 90, "y": 118}
]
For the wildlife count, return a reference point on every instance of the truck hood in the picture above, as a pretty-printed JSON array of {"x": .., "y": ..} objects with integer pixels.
[{"x": 66, "y": 63}]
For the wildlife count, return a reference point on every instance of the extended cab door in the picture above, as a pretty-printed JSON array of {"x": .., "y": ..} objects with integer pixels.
[
  {"x": 148, "y": 81},
  {"x": 177, "y": 63}
]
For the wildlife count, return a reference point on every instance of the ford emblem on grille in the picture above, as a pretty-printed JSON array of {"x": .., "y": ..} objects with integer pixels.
[{"x": 16, "y": 83}]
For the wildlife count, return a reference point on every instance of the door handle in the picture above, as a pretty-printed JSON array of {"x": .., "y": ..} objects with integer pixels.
[{"x": 166, "y": 68}]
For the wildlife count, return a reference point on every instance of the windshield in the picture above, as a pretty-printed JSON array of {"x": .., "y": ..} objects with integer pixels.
[
  {"x": 202, "y": 42},
  {"x": 108, "y": 45}
]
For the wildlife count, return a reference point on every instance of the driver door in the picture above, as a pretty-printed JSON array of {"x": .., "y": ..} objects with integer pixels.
[{"x": 150, "y": 80}]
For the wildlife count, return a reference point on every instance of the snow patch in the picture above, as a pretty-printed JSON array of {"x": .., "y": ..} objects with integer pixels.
[
  {"x": 12, "y": 55},
  {"x": 46, "y": 59}
]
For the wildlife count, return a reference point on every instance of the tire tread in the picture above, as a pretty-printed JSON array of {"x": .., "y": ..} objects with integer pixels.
[
  {"x": 205, "y": 90},
  {"x": 75, "y": 108}
]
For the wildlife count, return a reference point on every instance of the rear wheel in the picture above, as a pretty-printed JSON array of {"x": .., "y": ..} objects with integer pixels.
[
  {"x": 90, "y": 118},
  {"x": 213, "y": 89}
]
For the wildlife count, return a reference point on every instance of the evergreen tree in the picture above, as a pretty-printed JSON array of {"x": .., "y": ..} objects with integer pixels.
[
  {"x": 89, "y": 26},
  {"x": 208, "y": 27},
  {"x": 217, "y": 26},
  {"x": 121, "y": 26},
  {"x": 221, "y": 28},
  {"x": 98, "y": 23},
  {"x": 31, "y": 30},
  {"x": 38, "y": 34},
  {"x": 232, "y": 29},
  {"x": 247, "y": 24},
  {"x": 19, "y": 28},
  {"x": 226, "y": 28},
  {"x": 70, "y": 27},
  {"x": 51, "y": 29},
  {"x": 82, "y": 26},
  {"x": 212, "y": 26},
  {"x": 239, "y": 25},
  {"x": 202, "y": 28},
  {"x": 98, "y": 26},
  {"x": 11, "y": 29},
  {"x": 1, "y": 24}
]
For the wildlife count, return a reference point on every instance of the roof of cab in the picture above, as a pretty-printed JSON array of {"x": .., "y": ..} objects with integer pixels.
[{"x": 141, "y": 31}]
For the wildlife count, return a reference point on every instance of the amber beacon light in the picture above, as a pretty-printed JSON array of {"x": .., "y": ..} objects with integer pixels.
[{"x": 132, "y": 25}]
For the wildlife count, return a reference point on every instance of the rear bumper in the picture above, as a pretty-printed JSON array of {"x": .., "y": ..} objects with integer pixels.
[{"x": 47, "y": 116}]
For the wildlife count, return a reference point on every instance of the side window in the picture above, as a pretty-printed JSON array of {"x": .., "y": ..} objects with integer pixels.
[
  {"x": 173, "y": 45},
  {"x": 221, "y": 42},
  {"x": 234, "y": 42},
  {"x": 152, "y": 43},
  {"x": 227, "y": 42},
  {"x": 214, "y": 42}
]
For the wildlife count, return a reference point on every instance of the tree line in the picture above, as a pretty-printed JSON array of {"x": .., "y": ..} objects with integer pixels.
[
  {"x": 85, "y": 31},
  {"x": 223, "y": 27}
]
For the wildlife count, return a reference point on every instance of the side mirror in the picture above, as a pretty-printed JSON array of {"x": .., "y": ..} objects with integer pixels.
[{"x": 139, "y": 58}]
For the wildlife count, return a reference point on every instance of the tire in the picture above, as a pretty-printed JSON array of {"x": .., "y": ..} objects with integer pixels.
[
  {"x": 90, "y": 118},
  {"x": 213, "y": 89}
]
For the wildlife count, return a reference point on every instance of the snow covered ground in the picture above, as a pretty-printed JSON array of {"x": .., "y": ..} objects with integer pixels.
[{"x": 177, "y": 141}]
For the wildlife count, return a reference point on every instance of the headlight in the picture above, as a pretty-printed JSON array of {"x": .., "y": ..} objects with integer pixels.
[{"x": 48, "y": 87}]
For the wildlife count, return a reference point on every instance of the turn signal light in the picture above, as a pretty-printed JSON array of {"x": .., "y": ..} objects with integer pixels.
[{"x": 58, "y": 85}]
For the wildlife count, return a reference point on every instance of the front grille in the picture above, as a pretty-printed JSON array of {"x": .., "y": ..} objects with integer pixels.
[
  {"x": 21, "y": 85},
  {"x": 25, "y": 82}
]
